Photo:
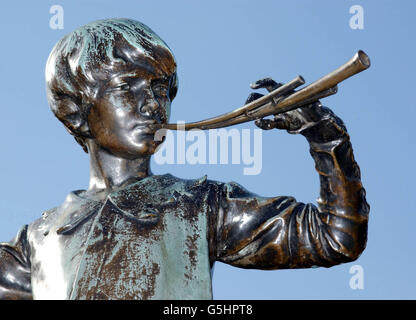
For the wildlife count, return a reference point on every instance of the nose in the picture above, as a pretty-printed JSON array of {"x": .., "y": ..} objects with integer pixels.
[{"x": 149, "y": 104}]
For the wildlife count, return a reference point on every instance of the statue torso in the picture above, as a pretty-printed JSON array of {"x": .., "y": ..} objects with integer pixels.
[{"x": 150, "y": 240}]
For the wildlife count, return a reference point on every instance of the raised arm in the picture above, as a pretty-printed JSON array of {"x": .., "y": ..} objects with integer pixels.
[
  {"x": 274, "y": 233},
  {"x": 15, "y": 268}
]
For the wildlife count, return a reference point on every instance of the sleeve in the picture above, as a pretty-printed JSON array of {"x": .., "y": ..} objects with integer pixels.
[
  {"x": 15, "y": 283},
  {"x": 280, "y": 233}
]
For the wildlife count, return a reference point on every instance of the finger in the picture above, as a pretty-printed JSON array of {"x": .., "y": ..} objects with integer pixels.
[
  {"x": 281, "y": 122},
  {"x": 265, "y": 124},
  {"x": 294, "y": 119},
  {"x": 268, "y": 83},
  {"x": 253, "y": 96}
]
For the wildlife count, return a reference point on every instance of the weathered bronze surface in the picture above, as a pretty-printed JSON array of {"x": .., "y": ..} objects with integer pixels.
[{"x": 135, "y": 235}]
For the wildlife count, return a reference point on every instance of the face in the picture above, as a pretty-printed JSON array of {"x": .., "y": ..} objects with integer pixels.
[{"x": 124, "y": 111}]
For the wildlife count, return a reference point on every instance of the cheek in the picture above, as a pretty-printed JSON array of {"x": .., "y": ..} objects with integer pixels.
[
  {"x": 95, "y": 122},
  {"x": 106, "y": 122},
  {"x": 120, "y": 101}
]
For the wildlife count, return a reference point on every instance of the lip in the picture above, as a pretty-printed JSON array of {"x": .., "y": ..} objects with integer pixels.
[
  {"x": 146, "y": 127},
  {"x": 150, "y": 124}
]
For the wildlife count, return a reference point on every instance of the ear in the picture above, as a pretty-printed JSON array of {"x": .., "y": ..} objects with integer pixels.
[
  {"x": 173, "y": 86},
  {"x": 73, "y": 116}
]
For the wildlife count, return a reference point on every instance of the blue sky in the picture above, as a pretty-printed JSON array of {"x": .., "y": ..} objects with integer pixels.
[{"x": 221, "y": 47}]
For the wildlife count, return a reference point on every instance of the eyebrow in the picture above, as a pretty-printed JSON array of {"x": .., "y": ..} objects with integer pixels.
[{"x": 136, "y": 74}]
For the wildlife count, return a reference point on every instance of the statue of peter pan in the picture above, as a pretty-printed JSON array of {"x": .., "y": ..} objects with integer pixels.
[{"x": 135, "y": 235}]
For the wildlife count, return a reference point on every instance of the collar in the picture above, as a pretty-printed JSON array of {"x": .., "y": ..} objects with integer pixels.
[{"x": 134, "y": 201}]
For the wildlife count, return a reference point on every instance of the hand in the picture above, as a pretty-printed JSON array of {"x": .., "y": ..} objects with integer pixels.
[{"x": 311, "y": 120}]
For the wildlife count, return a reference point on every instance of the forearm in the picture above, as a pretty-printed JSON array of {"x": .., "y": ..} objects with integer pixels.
[
  {"x": 275, "y": 233},
  {"x": 342, "y": 206}
]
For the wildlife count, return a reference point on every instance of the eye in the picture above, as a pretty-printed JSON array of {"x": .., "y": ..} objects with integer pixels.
[
  {"x": 123, "y": 87},
  {"x": 120, "y": 87},
  {"x": 160, "y": 90}
]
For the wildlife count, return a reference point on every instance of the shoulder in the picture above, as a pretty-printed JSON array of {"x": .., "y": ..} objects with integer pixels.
[
  {"x": 43, "y": 223},
  {"x": 207, "y": 189}
]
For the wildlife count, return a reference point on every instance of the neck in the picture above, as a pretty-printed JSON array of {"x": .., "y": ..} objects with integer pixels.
[{"x": 108, "y": 172}]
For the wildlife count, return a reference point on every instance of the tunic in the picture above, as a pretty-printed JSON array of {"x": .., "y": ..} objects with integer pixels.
[{"x": 158, "y": 238}]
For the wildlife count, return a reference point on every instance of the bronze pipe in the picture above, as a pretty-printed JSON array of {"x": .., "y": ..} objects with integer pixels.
[{"x": 275, "y": 103}]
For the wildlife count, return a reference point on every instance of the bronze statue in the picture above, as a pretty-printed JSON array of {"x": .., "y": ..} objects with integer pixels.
[{"x": 135, "y": 235}]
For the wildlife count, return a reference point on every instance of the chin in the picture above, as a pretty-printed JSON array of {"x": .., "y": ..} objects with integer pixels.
[{"x": 148, "y": 148}]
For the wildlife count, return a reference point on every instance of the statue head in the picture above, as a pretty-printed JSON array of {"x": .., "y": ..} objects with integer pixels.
[{"x": 109, "y": 81}]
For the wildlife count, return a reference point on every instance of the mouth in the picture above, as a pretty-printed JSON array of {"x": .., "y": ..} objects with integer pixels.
[{"x": 147, "y": 127}]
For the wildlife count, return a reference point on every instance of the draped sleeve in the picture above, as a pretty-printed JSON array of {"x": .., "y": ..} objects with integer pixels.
[{"x": 15, "y": 268}]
